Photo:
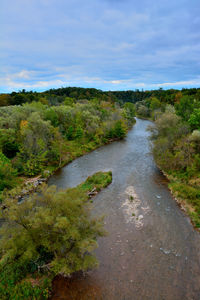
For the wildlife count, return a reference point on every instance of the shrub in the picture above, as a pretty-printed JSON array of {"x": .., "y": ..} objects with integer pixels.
[{"x": 7, "y": 173}]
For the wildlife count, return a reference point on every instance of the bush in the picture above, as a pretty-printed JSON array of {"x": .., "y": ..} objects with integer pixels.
[
  {"x": 14, "y": 286},
  {"x": 7, "y": 173},
  {"x": 48, "y": 234},
  {"x": 119, "y": 130},
  {"x": 52, "y": 231}
]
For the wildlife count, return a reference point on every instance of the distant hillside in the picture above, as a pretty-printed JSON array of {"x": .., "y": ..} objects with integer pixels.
[{"x": 58, "y": 96}]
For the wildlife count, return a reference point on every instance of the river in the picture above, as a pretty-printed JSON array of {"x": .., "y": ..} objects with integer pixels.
[{"x": 152, "y": 251}]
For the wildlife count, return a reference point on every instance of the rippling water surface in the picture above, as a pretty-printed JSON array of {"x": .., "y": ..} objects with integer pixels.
[{"x": 152, "y": 250}]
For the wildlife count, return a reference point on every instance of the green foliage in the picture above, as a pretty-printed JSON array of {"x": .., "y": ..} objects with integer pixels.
[
  {"x": 194, "y": 119},
  {"x": 167, "y": 130},
  {"x": 79, "y": 132},
  {"x": 8, "y": 142},
  {"x": 52, "y": 116},
  {"x": 142, "y": 109},
  {"x": 36, "y": 135},
  {"x": 176, "y": 150},
  {"x": 155, "y": 103},
  {"x": 185, "y": 107},
  {"x": 192, "y": 194},
  {"x": 50, "y": 233},
  {"x": 70, "y": 133},
  {"x": 99, "y": 180},
  {"x": 129, "y": 112},
  {"x": 14, "y": 286},
  {"x": 7, "y": 173},
  {"x": 120, "y": 130},
  {"x": 34, "y": 164},
  {"x": 70, "y": 95},
  {"x": 69, "y": 101}
]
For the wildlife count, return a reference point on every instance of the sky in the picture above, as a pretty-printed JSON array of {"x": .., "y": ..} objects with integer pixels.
[{"x": 105, "y": 44}]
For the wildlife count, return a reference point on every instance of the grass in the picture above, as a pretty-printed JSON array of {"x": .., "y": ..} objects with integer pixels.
[
  {"x": 188, "y": 196},
  {"x": 14, "y": 285},
  {"x": 98, "y": 181},
  {"x": 186, "y": 189}
]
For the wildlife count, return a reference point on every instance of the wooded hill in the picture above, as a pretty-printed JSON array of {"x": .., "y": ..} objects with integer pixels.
[{"x": 74, "y": 94}]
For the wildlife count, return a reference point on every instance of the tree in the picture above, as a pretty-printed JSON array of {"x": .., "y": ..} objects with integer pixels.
[
  {"x": 194, "y": 119},
  {"x": 120, "y": 129},
  {"x": 130, "y": 108},
  {"x": 5, "y": 99},
  {"x": 7, "y": 173},
  {"x": 155, "y": 103},
  {"x": 51, "y": 115},
  {"x": 69, "y": 101},
  {"x": 143, "y": 111},
  {"x": 167, "y": 140},
  {"x": 52, "y": 231},
  {"x": 36, "y": 137},
  {"x": 8, "y": 142},
  {"x": 129, "y": 112},
  {"x": 185, "y": 107}
]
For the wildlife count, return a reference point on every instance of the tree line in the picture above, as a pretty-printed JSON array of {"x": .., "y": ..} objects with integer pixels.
[{"x": 60, "y": 95}]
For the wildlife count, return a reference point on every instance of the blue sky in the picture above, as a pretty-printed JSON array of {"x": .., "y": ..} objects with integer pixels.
[{"x": 106, "y": 44}]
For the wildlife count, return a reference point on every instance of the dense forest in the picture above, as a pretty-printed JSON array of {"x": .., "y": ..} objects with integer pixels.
[{"x": 176, "y": 145}]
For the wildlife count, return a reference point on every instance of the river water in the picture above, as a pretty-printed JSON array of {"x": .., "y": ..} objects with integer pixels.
[{"x": 152, "y": 251}]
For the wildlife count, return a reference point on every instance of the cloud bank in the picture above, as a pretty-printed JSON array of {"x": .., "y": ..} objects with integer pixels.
[{"x": 107, "y": 44}]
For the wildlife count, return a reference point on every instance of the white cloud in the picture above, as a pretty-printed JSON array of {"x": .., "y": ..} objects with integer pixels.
[
  {"x": 11, "y": 83},
  {"x": 101, "y": 43},
  {"x": 24, "y": 74}
]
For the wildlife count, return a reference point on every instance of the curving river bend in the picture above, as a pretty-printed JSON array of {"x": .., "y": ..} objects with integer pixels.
[{"x": 152, "y": 251}]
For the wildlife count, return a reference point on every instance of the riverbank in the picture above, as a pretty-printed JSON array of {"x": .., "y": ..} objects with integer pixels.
[
  {"x": 187, "y": 196},
  {"x": 73, "y": 150},
  {"x": 37, "y": 139},
  {"x": 184, "y": 188},
  {"x": 184, "y": 177}
]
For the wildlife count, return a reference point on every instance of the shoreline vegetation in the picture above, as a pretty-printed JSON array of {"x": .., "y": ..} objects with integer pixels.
[
  {"x": 30, "y": 185},
  {"x": 181, "y": 197},
  {"x": 183, "y": 203},
  {"x": 49, "y": 234},
  {"x": 36, "y": 139},
  {"x": 175, "y": 143}
]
